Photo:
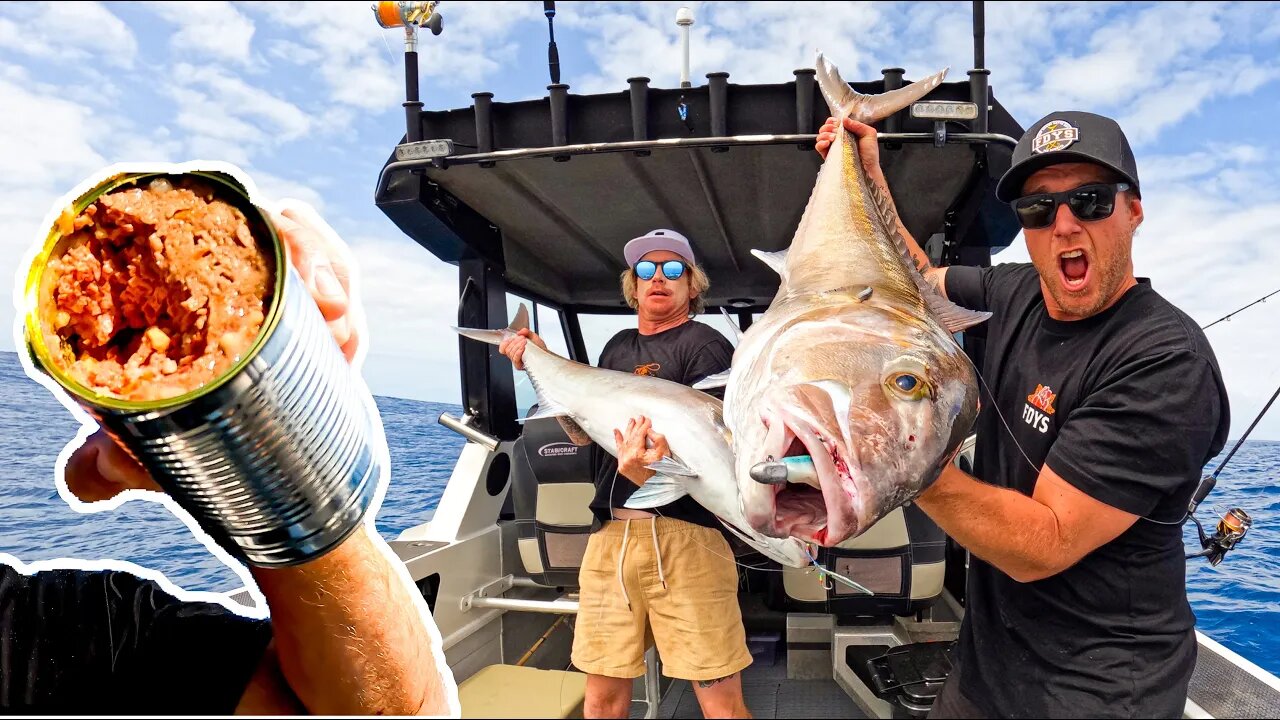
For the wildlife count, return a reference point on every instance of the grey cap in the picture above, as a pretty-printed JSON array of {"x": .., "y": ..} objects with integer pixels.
[
  {"x": 660, "y": 239},
  {"x": 1069, "y": 136}
]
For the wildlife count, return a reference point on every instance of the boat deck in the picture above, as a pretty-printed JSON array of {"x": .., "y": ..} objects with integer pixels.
[
  {"x": 1229, "y": 687},
  {"x": 768, "y": 694}
]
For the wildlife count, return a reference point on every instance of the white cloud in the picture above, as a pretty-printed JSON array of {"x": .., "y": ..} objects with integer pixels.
[
  {"x": 67, "y": 32},
  {"x": 754, "y": 42},
  {"x": 363, "y": 64},
  {"x": 229, "y": 119},
  {"x": 213, "y": 29},
  {"x": 410, "y": 300},
  {"x": 294, "y": 53},
  {"x": 275, "y": 188}
]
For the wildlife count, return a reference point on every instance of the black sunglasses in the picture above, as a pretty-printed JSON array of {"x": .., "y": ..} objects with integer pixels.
[
  {"x": 1088, "y": 203},
  {"x": 671, "y": 269}
]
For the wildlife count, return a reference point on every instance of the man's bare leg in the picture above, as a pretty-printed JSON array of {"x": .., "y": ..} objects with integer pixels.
[
  {"x": 721, "y": 698},
  {"x": 608, "y": 697}
]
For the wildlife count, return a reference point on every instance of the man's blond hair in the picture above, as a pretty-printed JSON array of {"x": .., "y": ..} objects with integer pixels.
[{"x": 698, "y": 283}]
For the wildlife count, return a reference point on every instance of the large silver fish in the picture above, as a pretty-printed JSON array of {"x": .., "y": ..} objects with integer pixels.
[
  {"x": 854, "y": 363},
  {"x": 593, "y": 401}
]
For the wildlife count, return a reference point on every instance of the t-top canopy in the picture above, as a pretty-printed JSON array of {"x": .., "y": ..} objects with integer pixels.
[{"x": 548, "y": 191}]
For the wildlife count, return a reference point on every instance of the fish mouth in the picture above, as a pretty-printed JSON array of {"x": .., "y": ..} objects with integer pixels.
[
  {"x": 815, "y": 511},
  {"x": 1074, "y": 270}
]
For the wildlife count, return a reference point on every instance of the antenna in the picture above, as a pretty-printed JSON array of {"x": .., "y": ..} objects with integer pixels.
[
  {"x": 553, "y": 55},
  {"x": 978, "y": 92},
  {"x": 684, "y": 19}
]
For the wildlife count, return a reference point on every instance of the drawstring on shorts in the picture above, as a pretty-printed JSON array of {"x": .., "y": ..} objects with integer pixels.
[{"x": 622, "y": 556}]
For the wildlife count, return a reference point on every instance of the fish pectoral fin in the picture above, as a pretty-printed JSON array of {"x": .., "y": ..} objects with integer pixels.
[
  {"x": 709, "y": 382},
  {"x": 673, "y": 468},
  {"x": 548, "y": 409},
  {"x": 776, "y": 260},
  {"x": 953, "y": 317},
  {"x": 657, "y": 491}
]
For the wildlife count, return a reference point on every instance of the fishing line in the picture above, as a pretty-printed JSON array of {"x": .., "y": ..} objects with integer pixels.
[
  {"x": 996, "y": 406},
  {"x": 708, "y": 548}
]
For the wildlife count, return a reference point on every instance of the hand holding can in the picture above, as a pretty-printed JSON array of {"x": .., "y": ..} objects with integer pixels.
[{"x": 196, "y": 329}]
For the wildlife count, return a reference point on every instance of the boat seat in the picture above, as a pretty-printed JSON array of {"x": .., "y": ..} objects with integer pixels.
[
  {"x": 511, "y": 691},
  {"x": 902, "y": 559},
  {"x": 552, "y": 485}
]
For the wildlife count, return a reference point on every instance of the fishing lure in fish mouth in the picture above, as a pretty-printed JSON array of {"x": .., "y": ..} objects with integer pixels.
[{"x": 790, "y": 469}]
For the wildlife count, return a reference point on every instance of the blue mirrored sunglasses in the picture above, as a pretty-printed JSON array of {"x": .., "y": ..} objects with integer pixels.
[{"x": 671, "y": 269}]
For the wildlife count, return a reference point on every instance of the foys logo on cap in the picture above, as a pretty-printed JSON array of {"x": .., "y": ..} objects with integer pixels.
[{"x": 1055, "y": 135}]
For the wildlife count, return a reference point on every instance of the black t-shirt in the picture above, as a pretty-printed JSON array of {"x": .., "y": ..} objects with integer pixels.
[
  {"x": 1128, "y": 406},
  {"x": 685, "y": 354},
  {"x": 106, "y": 642}
]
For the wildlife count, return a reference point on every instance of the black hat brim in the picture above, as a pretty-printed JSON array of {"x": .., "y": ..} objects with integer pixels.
[{"x": 1010, "y": 186}]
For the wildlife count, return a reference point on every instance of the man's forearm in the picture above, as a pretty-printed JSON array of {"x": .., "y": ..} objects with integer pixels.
[
  {"x": 1005, "y": 528},
  {"x": 349, "y": 636}
]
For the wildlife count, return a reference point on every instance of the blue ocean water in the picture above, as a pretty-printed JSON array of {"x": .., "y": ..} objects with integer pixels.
[{"x": 1236, "y": 603}]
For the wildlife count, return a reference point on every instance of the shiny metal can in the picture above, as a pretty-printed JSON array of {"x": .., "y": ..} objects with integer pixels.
[{"x": 274, "y": 457}]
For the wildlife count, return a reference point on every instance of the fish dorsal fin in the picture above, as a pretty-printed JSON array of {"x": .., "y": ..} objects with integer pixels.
[
  {"x": 844, "y": 101},
  {"x": 657, "y": 491},
  {"x": 776, "y": 260},
  {"x": 733, "y": 325},
  {"x": 953, "y": 317},
  {"x": 494, "y": 337}
]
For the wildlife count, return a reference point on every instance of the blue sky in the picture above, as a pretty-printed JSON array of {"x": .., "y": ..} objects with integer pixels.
[{"x": 306, "y": 99}]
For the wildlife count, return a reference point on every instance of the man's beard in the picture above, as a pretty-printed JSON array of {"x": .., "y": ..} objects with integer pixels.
[{"x": 1110, "y": 277}]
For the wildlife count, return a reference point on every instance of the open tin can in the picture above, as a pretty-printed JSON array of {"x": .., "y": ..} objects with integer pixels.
[{"x": 273, "y": 456}]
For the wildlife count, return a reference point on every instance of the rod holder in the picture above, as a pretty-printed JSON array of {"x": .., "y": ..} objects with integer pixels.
[
  {"x": 559, "y": 98},
  {"x": 482, "y": 106},
  {"x": 463, "y": 427},
  {"x": 804, "y": 103},
  {"x": 979, "y": 94},
  {"x": 639, "y": 110},
  {"x": 893, "y": 81},
  {"x": 412, "y": 105},
  {"x": 718, "y": 87}
]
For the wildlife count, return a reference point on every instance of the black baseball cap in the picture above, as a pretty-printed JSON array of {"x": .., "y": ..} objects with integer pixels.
[{"x": 1069, "y": 136}]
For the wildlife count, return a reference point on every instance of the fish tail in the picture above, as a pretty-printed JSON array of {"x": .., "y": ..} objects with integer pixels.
[
  {"x": 493, "y": 337},
  {"x": 844, "y": 101}
]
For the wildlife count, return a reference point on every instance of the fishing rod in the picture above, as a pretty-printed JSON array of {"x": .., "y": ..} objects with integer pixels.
[
  {"x": 1235, "y": 523},
  {"x": 1239, "y": 310}
]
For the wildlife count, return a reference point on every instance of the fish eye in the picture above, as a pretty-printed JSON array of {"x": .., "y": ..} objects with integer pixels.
[{"x": 907, "y": 385}]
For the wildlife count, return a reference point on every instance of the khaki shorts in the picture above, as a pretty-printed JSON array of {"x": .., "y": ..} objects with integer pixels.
[{"x": 694, "y": 620}]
